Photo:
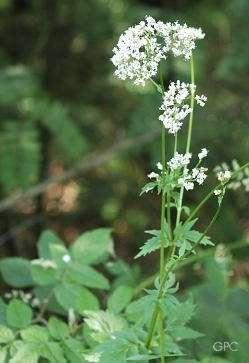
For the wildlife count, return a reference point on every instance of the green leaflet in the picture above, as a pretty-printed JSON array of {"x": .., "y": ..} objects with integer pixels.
[
  {"x": 154, "y": 243},
  {"x": 86, "y": 276},
  {"x": 46, "y": 241},
  {"x": 35, "y": 333},
  {"x": 93, "y": 246},
  {"x": 120, "y": 298},
  {"x": 16, "y": 272},
  {"x": 18, "y": 314},
  {"x": 57, "y": 328},
  {"x": 78, "y": 298},
  {"x": 148, "y": 187}
]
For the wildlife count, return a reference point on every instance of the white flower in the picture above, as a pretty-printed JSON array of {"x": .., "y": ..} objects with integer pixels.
[
  {"x": 217, "y": 191},
  {"x": 201, "y": 100},
  {"x": 159, "y": 166},
  {"x": 224, "y": 176},
  {"x": 174, "y": 106},
  {"x": 66, "y": 258},
  {"x": 138, "y": 53},
  {"x": 153, "y": 175},
  {"x": 199, "y": 174},
  {"x": 141, "y": 48},
  {"x": 184, "y": 38},
  {"x": 179, "y": 161},
  {"x": 203, "y": 153}
]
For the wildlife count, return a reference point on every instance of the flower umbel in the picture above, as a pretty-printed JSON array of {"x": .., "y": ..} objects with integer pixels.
[{"x": 141, "y": 48}]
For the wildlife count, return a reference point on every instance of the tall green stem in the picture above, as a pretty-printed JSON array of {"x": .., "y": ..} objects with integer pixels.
[
  {"x": 190, "y": 127},
  {"x": 163, "y": 201}
]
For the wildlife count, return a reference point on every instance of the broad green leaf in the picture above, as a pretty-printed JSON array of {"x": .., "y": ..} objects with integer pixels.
[
  {"x": 44, "y": 276},
  {"x": 6, "y": 335},
  {"x": 120, "y": 298},
  {"x": 78, "y": 298},
  {"x": 86, "y": 276},
  {"x": 16, "y": 272},
  {"x": 27, "y": 353},
  {"x": 57, "y": 328},
  {"x": 18, "y": 314},
  {"x": 91, "y": 247},
  {"x": 35, "y": 333},
  {"x": 47, "y": 239}
]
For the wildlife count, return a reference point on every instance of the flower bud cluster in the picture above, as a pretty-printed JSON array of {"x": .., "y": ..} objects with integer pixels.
[{"x": 27, "y": 298}]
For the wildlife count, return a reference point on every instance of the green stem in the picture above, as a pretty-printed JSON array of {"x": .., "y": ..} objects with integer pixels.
[
  {"x": 175, "y": 145},
  {"x": 190, "y": 127},
  {"x": 163, "y": 201}
]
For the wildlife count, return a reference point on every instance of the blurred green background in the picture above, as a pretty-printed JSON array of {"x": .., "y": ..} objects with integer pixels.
[{"x": 60, "y": 103}]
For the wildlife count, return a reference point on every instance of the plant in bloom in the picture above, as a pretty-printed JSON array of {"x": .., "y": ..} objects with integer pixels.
[{"x": 137, "y": 57}]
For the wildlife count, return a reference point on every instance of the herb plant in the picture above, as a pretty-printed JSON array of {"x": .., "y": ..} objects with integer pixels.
[{"x": 63, "y": 307}]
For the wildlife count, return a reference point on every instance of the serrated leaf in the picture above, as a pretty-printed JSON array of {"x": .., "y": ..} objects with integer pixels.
[
  {"x": 57, "y": 328},
  {"x": 18, "y": 314},
  {"x": 120, "y": 298},
  {"x": 6, "y": 334},
  {"x": 86, "y": 275},
  {"x": 78, "y": 298},
  {"x": 92, "y": 246},
  {"x": 148, "y": 187},
  {"x": 16, "y": 272}
]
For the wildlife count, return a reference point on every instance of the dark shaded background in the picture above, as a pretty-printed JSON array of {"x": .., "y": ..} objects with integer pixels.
[{"x": 59, "y": 103}]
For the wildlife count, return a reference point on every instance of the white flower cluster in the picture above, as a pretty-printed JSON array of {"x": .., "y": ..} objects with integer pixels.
[
  {"x": 201, "y": 100},
  {"x": 175, "y": 107},
  {"x": 154, "y": 175},
  {"x": 141, "y": 48},
  {"x": 44, "y": 263},
  {"x": 179, "y": 161},
  {"x": 189, "y": 177},
  {"x": 28, "y": 298},
  {"x": 240, "y": 178}
]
